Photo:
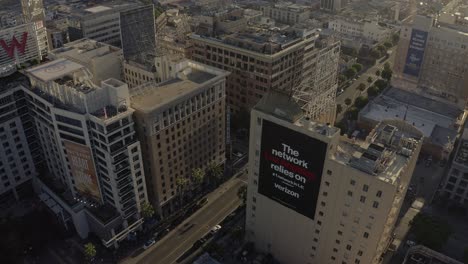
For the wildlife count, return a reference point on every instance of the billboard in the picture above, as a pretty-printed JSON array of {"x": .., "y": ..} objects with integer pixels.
[
  {"x": 291, "y": 165},
  {"x": 415, "y": 55},
  {"x": 82, "y": 169}
]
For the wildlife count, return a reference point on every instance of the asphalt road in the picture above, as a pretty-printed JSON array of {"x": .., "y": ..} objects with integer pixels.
[
  {"x": 221, "y": 203},
  {"x": 352, "y": 92}
]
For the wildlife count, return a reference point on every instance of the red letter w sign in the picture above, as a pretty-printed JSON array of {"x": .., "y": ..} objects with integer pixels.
[{"x": 20, "y": 46}]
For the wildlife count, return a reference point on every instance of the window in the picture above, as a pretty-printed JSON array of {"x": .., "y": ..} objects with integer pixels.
[
  {"x": 321, "y": 213},
  {"x": 350, "y": 193},
  {"x": 337, "y": 241},
  {"x": 335, "y": 250},
  {"x": 375, "y": 204},
  {"x": 362, "y": 199},
  {"x": 327, "y": 183},
  {"x": 379, "y": 194},
  {"x": 366, "y": 235},
  {"x": 352, "y": 182},
  {"x": 365, "y": 187},
  {"x": 329, "y": 172},
  {"x": 359, "y": 253},
  {"x": 340, "y": 233},
  {"x": 348, "y": 247}
]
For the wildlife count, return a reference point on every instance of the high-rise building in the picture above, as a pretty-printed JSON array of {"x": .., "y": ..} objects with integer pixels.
[
  {"x": 137, "y": 32},
  {"x": 17, "y": 141},
  {"x": 33, "y": 12},
  {"x": 18, "y": 45},
  {"x": 331, "y": 5},
  {"x": 286, "y": 12},
  {"x": 432, "y": 61},
  {"x": 455, "y": 186},
  {"x": 181, "y": 124},
  {"x": 101, "y": 23},
  {"x": 261, "y": 61},
  {"x": 314, "y": 197},
  {"x": 93, "y": 177}
]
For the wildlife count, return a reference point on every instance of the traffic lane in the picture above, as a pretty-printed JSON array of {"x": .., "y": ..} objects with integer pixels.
[{"x": 176, "y": 244}]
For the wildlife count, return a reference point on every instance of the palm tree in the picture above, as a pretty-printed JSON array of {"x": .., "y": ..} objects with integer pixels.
[
  {"x": 89, "y": 251},
  {"x": 369, "y": 80},
  {"x": 215, "y": 172},
  {"x": 181, "y": 183},
  {"x": 198, "y": 176},
  {"x": 361, "y": 87},
  {"x": 347, "y": 101},
  {"x": 147, "y": 210}
]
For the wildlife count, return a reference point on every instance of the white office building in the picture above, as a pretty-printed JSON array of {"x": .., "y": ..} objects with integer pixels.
[
  {"x": 314, "y": 197},
  {"x": 93, "y": 176}
]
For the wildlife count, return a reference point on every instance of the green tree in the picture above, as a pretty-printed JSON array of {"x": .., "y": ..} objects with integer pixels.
[
  {"x": 342, "y": 78},
  {"x": 372, "y": 91},
  {"x": 89, "y": 251},
  {"x": 347, "y": 101},
  {"x": 381, "y": 84},
  {"x": 361, "y": 87},
  {"x": 388, "y": 44},
  {"x": 215, "y": 172},
  {"x": 387, "y": 66},
  {"x": 147, "y": 210},
  {"x": 381, "y": 49},
  {"x": 350, "y": 73},
  {"x": 377, "y": 72},
  {"x": 361, "y": 101},
  {"x": 198, "y": 175},
  {"x": 395, "y": 38},
  {"x": 465, "y": 256},
  {"x": 339, "y": 108},
  {"x": 387, "y": 74},
  {"x": 375, "y": 54},
  {"x": 357, "y": 67},
  {"x": 353, "y": 113},
  {"x": 430, "y": 231},
  {"x": 242, "y": 193},
  {"x": 181, "y": 184},
  {"x": 342, "y": 127},
  {"x": 369, "y": 79}
]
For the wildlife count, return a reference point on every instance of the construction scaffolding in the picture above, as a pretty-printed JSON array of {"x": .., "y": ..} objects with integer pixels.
[{"x": 316, "y": 90}]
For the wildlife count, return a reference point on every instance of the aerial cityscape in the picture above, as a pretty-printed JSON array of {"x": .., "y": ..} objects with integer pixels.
[{"x": 234, "y": 131}]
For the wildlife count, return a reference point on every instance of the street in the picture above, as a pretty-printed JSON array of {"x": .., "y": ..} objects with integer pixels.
[
  {"x": 221, "y": 203},
  {"x": 352, "y": 92}
]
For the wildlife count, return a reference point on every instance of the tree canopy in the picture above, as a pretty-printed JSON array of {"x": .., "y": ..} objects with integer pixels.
[
  {"x": 361, "y": 101},
  {"x": 89, "y": 251},
  {"x": 147, "y": 210},
  {"x": 350, "y": 73},
  {"x": 430, "y": 231}
]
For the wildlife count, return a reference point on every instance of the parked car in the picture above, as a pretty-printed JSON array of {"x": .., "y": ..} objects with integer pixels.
[
  {"x": 410, "y": 243},
  {"x": 215, "y": 229},
  {"x": 149, "y": 243}
]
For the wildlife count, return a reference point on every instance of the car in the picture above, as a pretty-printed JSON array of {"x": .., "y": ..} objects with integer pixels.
[
  {"x": 410, "y": 243},
  {"x": 429, "y": 161},
  {"x": 215, "y": 229},
  {"x": 149, "y": 243},
  {"x": 340, "y": 91}
]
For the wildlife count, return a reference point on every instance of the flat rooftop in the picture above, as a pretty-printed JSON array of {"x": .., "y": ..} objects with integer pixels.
[
  {"x": 152, "y": 96},
  {"x": 434, "y": 119},
  {"x": 384, "y": 153},
  {"x": 54, "y": 70}
]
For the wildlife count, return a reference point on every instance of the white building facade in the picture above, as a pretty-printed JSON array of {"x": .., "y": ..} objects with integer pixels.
[{"x": 314, "y": 197}]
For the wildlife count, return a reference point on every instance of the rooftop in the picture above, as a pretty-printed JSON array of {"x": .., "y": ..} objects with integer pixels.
[
  {"x": 97, "y": 9},
  {"x": 151, "y": 96},
  {"x": 384, "y": 153},
  {"x": 421, "y": 255},
  {"x": 13, "y": 80},
  {"x": 434, "y": 119},
  {"x": 54, "y": 70},
  {"x": 84, "y": 50}
]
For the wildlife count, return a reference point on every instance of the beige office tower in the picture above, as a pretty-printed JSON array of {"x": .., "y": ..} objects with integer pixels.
[
  {"x": 432, "y": 60},
  {"x": 314, "y": 197},
  {"x": 181, "y": 124},
  {"x": 297, "y": 61}
]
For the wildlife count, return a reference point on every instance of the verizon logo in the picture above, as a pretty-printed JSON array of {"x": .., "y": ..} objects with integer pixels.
[{"x": 14, "y": 44}]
